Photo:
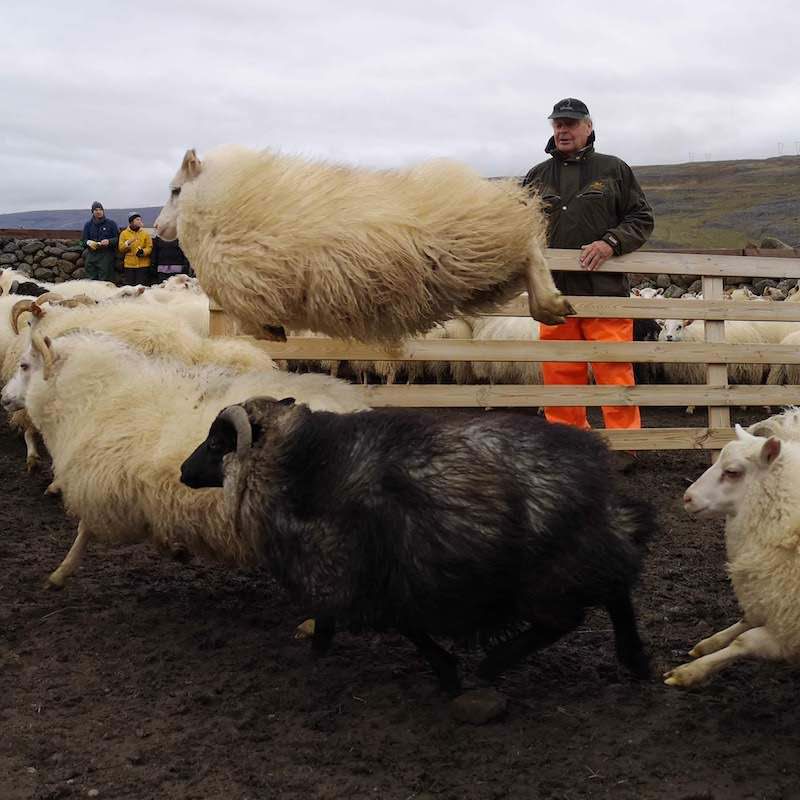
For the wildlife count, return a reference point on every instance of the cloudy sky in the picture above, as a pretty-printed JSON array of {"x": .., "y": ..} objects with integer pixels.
[{"x": 99, "y": 100}]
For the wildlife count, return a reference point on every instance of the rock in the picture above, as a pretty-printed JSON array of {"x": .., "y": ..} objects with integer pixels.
[
  {"x": 786, "y": 284},
  {"x": 42, "y": 274},
  {"x": 673, "y": 291},
  {"x": 733, "y": 282},
  {"x": 79, "y": 262},
  {"x": 28, "y": 259},
  {"x": 67, "y": 267},
  {"x": 48, "y": 262},
  {"x": 479, "y": 706},
  {"x": 696, "y": 287},
  {"x": 663, "y": 282},
  {"x": 25, "y": 269},
  {"x": 762, "y": 283},
  {"x": 681, "y": 280},
  {"x": 71, "y": 255},
  {"x": 10, "y": 247},
  {"x": 647, "y": 283},
  {"x": 636, "y": 278},
  {"x": 54, "y": 251},
  {"x": 32, "y": 246},
  {"x": 78, "y": 274},
  {"x": 8, "y": 258}
]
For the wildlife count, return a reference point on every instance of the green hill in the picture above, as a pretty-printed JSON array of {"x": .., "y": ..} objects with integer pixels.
[{"x": 723, "y": 203}]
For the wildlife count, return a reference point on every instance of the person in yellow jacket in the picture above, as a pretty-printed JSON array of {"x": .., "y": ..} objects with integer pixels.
[{"x": 137, "y": 245}]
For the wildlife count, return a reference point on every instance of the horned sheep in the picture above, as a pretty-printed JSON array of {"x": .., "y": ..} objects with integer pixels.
[
  {"x": 284, "y": 243},
  {"x": 435, "y": 524},
  {"x": 118, "y": 424},
  {"x": 754, "y": 484}
]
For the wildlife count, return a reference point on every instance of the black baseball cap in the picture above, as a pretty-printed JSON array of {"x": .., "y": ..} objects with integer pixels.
[{"x": 571, "y": 108}]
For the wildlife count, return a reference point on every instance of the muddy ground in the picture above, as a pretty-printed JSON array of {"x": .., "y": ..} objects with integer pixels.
[{"x": 146, "y": 678}]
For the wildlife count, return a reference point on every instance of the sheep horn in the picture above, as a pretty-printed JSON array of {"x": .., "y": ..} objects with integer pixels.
[
  {"x": 42, "y": 345},
  {"x": 14, "y": 287},
  {"x": 19, "y": 308},
  {"x": 237, "y": 417},
  {"x": 48, "y": 297}
]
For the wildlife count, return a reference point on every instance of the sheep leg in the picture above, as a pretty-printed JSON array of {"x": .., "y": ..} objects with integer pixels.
[
  {"x": 545, "y": 303},
  {"x": 444, "y": 664},
  {"x": 753, "y": 643},
  {"x": 324, "y": 631},
  {"x": 719, "y": 640},
  {"x": 543, "y": 632},
  {"x": 629, "y": 647},
  {"x": 32, "y": 460},
  {"x": 72, "y": 561}
]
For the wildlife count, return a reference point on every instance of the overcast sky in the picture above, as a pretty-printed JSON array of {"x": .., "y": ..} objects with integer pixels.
[{"x": 99, "y": 100}]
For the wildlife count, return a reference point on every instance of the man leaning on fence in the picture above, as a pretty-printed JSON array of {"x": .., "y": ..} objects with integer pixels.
[{"x": 595, "y": 205}]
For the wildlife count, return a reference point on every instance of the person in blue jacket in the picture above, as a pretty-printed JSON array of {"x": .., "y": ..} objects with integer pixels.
[{"x": 100, "y": 236}]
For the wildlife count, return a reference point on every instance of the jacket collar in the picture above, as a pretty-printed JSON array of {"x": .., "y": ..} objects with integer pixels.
[{"x": 551, "y": 150}]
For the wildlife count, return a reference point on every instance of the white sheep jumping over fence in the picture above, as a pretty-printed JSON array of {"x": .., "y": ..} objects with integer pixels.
[{"x": 283, "y": 243}]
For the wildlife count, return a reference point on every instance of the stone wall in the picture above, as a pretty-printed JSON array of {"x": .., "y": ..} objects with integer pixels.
[{"x": 53, "y": 260}]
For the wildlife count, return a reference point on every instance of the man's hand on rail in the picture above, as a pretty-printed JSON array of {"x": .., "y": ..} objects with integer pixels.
[{"x": 594, "y": 255}]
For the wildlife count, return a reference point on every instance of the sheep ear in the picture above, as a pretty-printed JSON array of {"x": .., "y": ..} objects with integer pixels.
[
  {"x": 770, "y": 451},
  {"x": 687, "y": 322},
  {"x": 191, "y": 166},
  {"x": 287, "y": 401}
]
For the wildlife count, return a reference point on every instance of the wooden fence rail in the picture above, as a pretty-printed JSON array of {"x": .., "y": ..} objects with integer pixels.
[{"x": 717, "y": 395}]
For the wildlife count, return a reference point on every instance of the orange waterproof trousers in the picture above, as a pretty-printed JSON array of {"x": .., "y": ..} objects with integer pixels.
[{"x": 574, "y": 373}]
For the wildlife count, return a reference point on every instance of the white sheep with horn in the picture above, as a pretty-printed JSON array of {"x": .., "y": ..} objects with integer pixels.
[{"x": 284, "y": 243}]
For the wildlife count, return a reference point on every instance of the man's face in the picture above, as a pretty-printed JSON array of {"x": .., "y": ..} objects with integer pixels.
[
  {"x": 98, "y": 213},
  {"x": 136, "y": 223},
  {"x": 571, "y": 135}
]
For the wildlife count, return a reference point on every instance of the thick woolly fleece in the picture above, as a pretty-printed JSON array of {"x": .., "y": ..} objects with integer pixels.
[
  {"x": 118, "y": 424},
  {"x": 354, "y": 253}
]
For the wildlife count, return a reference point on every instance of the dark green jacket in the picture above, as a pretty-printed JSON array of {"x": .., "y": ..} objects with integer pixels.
[{"x": 587, "y": 197}]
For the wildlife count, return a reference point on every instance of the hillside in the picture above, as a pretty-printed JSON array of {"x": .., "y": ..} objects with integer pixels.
[
  {"x": 724, "y": 203},
  {"x": 701, "y": 204}
]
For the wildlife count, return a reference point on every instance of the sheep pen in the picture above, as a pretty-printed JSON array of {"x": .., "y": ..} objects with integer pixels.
[
  {"x": 284, "y": 243},
  {"x": 149, "y": 677}
]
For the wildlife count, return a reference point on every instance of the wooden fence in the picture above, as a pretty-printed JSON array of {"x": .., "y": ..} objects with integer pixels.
[{"x": 716, "y": 394}]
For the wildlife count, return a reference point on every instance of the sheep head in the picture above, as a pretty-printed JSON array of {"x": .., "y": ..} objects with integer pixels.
[
  {"x": 721, "y": 489},
  {"x": 166, "y": 224},
  {"x": 235, "y": 430}
]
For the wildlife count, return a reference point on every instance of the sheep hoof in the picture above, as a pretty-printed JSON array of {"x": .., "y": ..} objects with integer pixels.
[
  {"x": 684, "y": 676},
  {"x": 53, "y": 489},
  {"x": 273, "y": 333},
  {"x": 32, "y": 464},
  {"x": 305, "y": 630},
  {"x": 53, "y": 581}
]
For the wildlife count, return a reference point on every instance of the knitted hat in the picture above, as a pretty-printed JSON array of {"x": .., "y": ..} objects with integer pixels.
[
  {"x": 97, "y": 204},
  {"x": 132, "y": 216}
]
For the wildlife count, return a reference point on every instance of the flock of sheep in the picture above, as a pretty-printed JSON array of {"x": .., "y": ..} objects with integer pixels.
[{"x": 499, "y": 528}]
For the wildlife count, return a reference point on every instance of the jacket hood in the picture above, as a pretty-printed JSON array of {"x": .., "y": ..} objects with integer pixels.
[{"x": 551, "y": 150}]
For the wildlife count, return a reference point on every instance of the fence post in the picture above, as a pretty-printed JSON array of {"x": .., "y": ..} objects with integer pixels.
[{"x": 716, "y": 374}]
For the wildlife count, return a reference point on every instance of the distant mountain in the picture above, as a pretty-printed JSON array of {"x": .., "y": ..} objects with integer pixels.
[
  {"x": 73, "y": 219},
  {"x": 701, "y": 205}
]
